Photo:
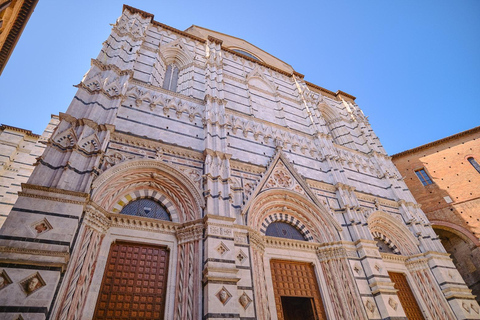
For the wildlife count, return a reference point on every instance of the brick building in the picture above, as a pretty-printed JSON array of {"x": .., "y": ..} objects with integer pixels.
[
  {"x": 196, "y": 176},
  {"x": 444, "y": 177}
]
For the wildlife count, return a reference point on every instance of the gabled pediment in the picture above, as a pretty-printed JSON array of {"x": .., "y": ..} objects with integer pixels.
[{"x": 281, "y": 174}]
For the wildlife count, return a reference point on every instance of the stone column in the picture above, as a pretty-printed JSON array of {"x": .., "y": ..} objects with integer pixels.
[
  {"x": 257, "y": 246},
  {"x": 342, "y": 291},
  {"x": 188, "y": 290},
  {"x": 73, "y": 293},
  {"x": 430, "y": 292}
]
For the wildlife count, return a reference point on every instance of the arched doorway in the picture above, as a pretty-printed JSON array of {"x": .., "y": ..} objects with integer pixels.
[{"x": 465, "y": 256}]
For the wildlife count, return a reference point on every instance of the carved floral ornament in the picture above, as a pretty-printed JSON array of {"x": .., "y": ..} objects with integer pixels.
[{"x": 129, "y": 176}]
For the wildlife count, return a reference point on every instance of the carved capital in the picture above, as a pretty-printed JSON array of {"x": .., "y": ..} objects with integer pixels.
[
  {"x": 96, "y": 219},
  {"x": 331, "y": 252},
  {"x": 257, "y": 241},
  {"x": 190, "y": 233}
]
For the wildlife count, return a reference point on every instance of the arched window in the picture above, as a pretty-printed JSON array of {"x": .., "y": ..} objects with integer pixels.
[
  {"x": 171, "y": 78},
  {"x": 146, "y": 208},
  {"x": 284, "y": 230},
  {"x": 474, "y": 163},
  {"x": 246, "y": 54}
]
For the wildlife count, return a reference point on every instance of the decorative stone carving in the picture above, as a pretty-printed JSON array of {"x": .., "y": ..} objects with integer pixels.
[
  {"x": 280, "y": 178},
  {"x": 244, "y": 300},
  {"x": 220, "y": 231},
  {"x": 223, "y": 295},
  {"x": 32, "y": 283},
  {"x": 4, "y": 279},
  {"x": 240, "y": 238},
  {"x": 357, "y": 269},
  {"x": 241, "y": 256},
  {"x": 392, "y": 303},
  {"x": 190, "y": 233},
  {"x": 222, "y": 248},
  {"x": 370, "y": 306},
  {"x": 466, "y": 307},
  {"x": 41, "y": 227}
]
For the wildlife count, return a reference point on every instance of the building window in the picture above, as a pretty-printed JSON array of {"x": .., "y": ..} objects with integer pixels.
[
  {"x": 423, "y": 176},
  {"x": 474, "y": 163},
  {"x": 284, "y": 230},
  {"x": 146, "y": 208},
  {"x": 171, "y": 78},
  {"x": 246, "y": 54}
]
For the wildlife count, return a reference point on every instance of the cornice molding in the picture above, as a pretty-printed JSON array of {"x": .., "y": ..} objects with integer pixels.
[
  {"x": 155, "y": 144},
  {"x": 436, "y": 143},
  {"x": 25, "y": 131}
]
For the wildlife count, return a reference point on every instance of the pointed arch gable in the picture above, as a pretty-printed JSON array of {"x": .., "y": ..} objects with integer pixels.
[
  {"x": 138, "y": 178},
  {"x": 395, "y": 233},
  {"x": 285, "y": 205},
  {"x": 328, "y": 112},
  {"x": 258, "y": 80}
]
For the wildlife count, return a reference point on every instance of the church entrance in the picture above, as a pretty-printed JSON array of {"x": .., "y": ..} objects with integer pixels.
[
  {"x": 405, "y": 294},
  {"x": 298, "y": 308},
  {"x": 134, "y": 282},
  {"x": 297, "y": 295}
]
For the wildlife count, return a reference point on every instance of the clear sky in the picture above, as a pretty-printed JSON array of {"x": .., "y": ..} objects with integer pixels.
[{"x": 414, "y": 66}]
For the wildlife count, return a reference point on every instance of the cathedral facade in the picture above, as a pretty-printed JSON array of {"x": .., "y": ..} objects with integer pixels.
[{"x": 195, "y": 176}]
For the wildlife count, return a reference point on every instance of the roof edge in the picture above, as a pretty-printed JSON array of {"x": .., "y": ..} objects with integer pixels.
[
  {"x": 213, "y": 39},
  {"x": 437, "y": 142},
  {"x": 27, "y": 132}
]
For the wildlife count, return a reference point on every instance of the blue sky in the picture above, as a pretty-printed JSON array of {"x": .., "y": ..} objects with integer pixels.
[{"x": 414, "y": 66}]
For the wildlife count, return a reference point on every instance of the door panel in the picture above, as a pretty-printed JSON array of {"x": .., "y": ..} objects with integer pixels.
[
  {"x": 296, "y": 279},
  {"x": 405, "y": 294},
  {"x": 134, "y": 282}
]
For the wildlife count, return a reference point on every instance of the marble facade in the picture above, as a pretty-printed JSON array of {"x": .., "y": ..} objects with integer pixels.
[{"x": 232, "y": 143}]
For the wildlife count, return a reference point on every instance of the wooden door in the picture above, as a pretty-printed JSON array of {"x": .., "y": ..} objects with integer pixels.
[
  {"x": 405, "y": 294},
  {"x": 134, "y": 282},
  {"x": 296, "y": 279}
]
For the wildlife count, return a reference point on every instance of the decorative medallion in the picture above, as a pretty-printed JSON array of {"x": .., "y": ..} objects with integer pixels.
[
  {"x": 370, "y": 306},
  {"x": 223, "y": 295},
  {"x": 222, "y": 248},
  {"x": 32, "y": 283},
  {"x": 245, "y": 300},
  {"x": 466, "y": 307},
  {"x": 393, "y": 304},
  {"x": 4, "y": 279},
  {"x": 280, "y": 178},
  {"x": 241, "y": 256},
  {"x": 377, "y": 267},
  {"x": 41, "y": 227}
]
